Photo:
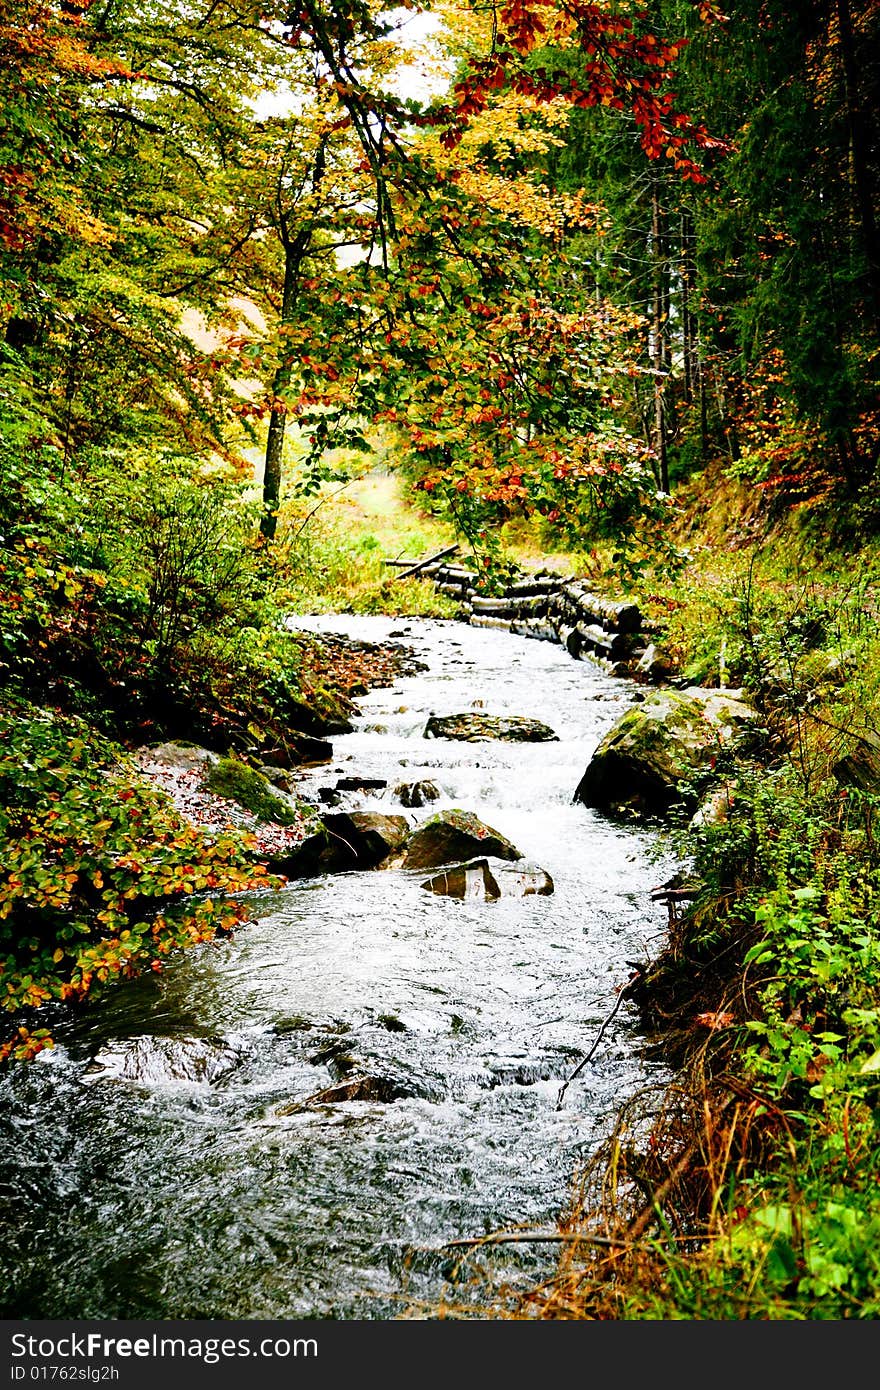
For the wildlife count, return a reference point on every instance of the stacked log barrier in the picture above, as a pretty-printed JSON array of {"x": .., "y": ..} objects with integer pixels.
[{"x": 551, "y": 608}]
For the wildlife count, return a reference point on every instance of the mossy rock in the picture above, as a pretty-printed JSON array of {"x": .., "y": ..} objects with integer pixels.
[
  {"x": 248, "y": 788},
  {"x": 482, "y": 728},
  {"x": 640, "y": 763},
  {"x": 454, "y": 836}
]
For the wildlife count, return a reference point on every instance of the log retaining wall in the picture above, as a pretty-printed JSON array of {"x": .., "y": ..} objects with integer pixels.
[{"x": 551, "y": 608}]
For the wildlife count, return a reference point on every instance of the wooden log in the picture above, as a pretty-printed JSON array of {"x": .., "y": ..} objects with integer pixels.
[
  {"x": 531, "y": 588},
  {"x": 429, "y": 560},
  {"x": 493, "y": 605},
  {"x": 514, "y": 608},
  {"x": 597, "y": 639},
  {"x": 541, "y": 632},
  {"x": 611, "y": 613},
  {"x": 457, "y": 573},
  {"x": 570, "y": 638},
  {"x": 477, "y": 620},
  {"x": 531, "y": 607}
]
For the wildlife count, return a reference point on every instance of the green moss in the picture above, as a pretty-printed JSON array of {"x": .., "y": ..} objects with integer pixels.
[{"x": 248, "y": 788}]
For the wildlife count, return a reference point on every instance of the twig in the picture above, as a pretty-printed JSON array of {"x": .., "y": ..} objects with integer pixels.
[
  {"x": 414, "y": 569},
  {"x": 642, "y": 1220},
  {"x": 599, "y": 1036},
  {"x": 532, "y": 1238},
  {"x": 546, "y": 1238}
]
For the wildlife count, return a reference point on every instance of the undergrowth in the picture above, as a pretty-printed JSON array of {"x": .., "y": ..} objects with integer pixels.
[
  {"x": 750, "y": 1188},
  {"x": 100, "y": 877}
]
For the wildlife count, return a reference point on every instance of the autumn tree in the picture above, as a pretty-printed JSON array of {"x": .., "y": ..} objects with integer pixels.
[{"x": 439, "y": 240}]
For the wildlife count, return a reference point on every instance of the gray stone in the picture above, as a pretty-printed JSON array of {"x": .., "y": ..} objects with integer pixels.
[
  {"x": 654, "y": 746},
  {"x": 479, "y": 728},
  {"x": 414, "y": 794},
  {"x": 163, "y": 1061},
  {"x": 362, "y": 839},
  {"x": 486, "y": 881},
  {"x": 451, "y": 837}
]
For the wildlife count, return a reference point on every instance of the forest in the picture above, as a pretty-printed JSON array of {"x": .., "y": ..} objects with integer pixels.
[{"x": 577, "y": 289}]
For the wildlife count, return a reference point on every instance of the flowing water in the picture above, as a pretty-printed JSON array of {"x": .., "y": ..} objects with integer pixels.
[{"x": 165, "y": 1160}]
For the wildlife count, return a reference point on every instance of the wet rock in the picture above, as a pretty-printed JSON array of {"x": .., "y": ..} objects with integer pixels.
[
  {"x": 382, "y": 1084},
  {"x": 479, "y": 728},
  {"x": 306, "y": 859},
  {"x": 160, "y": 1061},
  {"x": 346, "y": 840},
  {"x": 370, "y": 1088},
  {"x": 417, "y": 793},
  {"x": 362, "y": 839},
  {"x": 471, "y": 881},
  {"x": 516, "y": 1072},
  {"x": 307, "y": 720},
  {"x": 522, "y": 880},
  {"x": 309, "y": 751},
  {"x": 641, "y": 761},
  {"x": 483, "y": 881},
  {"x": 451, "y": 837},
  {"x": 392, "y": 1023},
  {"x": 333, "y": 1053},
  {"x": 361, "y": 784}
]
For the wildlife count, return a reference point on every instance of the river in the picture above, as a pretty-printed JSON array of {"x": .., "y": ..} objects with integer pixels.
[{"x": 166, "y": 1193}]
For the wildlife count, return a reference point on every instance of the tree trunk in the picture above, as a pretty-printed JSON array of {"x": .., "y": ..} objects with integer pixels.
[
  {"x": 859, "y": 140},
  {"x": 688, "y": 344},
  {"x": 658, "y": 342},
  {"x": 296, "y": 249},
  {"x": 272, "y": 470}
]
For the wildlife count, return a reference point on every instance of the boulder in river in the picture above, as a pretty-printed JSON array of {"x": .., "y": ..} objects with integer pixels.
[
  {"x": 382, "y": 1084},
  {"x": 417, "y": 793},
  {"x": 481, "y": 728},
  {"x": 370, "y": 1088},
  {"x": 361, "y": 784},
  {"x": 308, "y": 751},
  {"x": 162, "y": 1061},
  {"x": 486, "y": 881},
  {"x": 450, "y": 837},
  {"x": 654, "y": 746},
  {"x": 361, "y": 839}
]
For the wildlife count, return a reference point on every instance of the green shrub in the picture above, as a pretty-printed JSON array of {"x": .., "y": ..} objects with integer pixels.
[{"x": 100, "y": 877}]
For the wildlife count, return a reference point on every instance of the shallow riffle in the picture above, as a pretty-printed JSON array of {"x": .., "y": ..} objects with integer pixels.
[{"x": 168, "y": 1160}]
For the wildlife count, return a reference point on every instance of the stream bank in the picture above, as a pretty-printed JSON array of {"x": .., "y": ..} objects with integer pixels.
[{"x": 195, "y": 1166}]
